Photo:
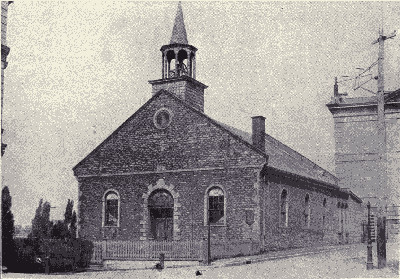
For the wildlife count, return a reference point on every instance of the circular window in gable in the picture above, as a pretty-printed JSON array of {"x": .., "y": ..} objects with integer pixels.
[{"x": 162, "y": 118}]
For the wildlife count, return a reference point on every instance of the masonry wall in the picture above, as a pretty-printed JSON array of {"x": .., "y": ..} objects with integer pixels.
[
  {"x": 4, "y": 14},
  {"x": 185, "y": 90},
  {"x": 190, "y": 142},
  {"x": 238, "y": 186},
  {"x": 321, "y": 231},
  {"x": 189, "y": 155},
  {"x": 357, "y": 156}
]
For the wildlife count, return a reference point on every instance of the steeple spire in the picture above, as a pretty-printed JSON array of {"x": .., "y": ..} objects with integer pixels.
[
  {"x": 179, "y": 31},
  {"x": 178, "y": 67}
]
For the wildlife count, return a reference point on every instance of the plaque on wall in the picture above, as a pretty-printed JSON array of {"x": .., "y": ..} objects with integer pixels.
[{"x": 249, "y": 217}]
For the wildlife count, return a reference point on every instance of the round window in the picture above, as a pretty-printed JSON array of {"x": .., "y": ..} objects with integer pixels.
[{"x": 162, "y": 118}]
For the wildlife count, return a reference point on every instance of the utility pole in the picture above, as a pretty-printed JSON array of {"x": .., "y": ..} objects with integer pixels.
[{"x": 381, "y": 109}]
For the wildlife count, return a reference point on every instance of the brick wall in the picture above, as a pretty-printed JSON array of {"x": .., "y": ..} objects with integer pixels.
[
  {"x": 190, "y": 142},
  {"x": 191, "y": 186},
  {"x": 191, "y": 154},
  {"x": 320, "y": 232},
  {"x": 4, "y": 13},
  {"x": 185, "y": 89}
]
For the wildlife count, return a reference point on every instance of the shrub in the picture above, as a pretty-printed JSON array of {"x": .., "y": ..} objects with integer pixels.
[{"x": 61, "y": 254}]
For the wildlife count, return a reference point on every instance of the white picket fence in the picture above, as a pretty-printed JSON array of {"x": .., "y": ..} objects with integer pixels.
[{"x": 146, "y": 250}]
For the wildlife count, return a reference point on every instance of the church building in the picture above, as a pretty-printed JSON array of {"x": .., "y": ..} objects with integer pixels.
[{"x": 170, "y": 172}]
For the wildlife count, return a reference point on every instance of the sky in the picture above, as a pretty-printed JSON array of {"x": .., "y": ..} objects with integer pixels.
[{"x": 78, "y": 70}]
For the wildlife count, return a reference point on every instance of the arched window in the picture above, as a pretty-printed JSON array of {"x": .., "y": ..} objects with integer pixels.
[
  {"x": 307, "y": 211},
  {"x": 111, "y": 209},
  {"x": 284, "y": 207},
  {"x": 216, "y": 206}
]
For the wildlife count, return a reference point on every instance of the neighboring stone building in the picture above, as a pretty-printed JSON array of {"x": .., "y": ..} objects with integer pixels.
[
  {"x": 5, "y": 50},
  {"x": 358, "y": 164},
  {"x": 169, "y": 169}
]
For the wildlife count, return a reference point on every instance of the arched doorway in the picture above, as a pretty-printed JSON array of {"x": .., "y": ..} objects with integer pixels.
[{"x": 161, "y": 210}]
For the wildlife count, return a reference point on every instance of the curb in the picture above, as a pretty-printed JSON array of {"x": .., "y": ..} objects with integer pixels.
[
  {"x": 272, "y": 258},
  {"x": 236, "y": 263}
]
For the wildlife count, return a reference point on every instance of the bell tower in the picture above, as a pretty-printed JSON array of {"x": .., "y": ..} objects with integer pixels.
[{"x": 178, "y": 67}]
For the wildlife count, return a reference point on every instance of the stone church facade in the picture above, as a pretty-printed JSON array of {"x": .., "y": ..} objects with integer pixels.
[{"x": 170, "y": 171}]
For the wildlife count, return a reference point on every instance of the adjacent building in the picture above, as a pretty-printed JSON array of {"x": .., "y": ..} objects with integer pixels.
[
  {"x": 359, "y": 164},
  {"x": 5, "y": 50}
]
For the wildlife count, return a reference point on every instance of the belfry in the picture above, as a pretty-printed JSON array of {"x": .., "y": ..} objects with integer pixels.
[{"x": 179, "y": 67}]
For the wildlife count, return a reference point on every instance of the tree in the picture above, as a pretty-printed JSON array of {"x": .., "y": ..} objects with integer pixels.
[
  {"x": 68, "y": 216},
  {"x": 59, "y": 230},
  {"x": 73, "y": 227},
  {"x": 7, "y": 225},
  {"x": 68, "y": 212},
  {"x": 67, "y": 228},
  {"x": 41, "y": 225}
]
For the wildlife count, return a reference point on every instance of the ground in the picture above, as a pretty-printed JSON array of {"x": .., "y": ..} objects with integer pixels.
[{"x": 348, "y": 262}]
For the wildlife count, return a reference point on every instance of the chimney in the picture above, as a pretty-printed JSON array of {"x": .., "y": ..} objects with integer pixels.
[{"x": 258, "y": 132}]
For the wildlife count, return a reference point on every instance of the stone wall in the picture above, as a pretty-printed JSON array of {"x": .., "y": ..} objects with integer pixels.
[
  {"x": 190, "y": 186},
  {"x": 190, "y": 155},
  {"x": 325, "y": 221},
  {"x": 357, "y": 156}
]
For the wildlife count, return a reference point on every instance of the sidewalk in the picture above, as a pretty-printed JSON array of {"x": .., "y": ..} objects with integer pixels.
[
  {"x": 282, "y": 254},
  {"x": 243, "y": 260}
]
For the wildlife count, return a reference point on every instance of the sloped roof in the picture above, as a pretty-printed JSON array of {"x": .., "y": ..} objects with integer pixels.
[
  {"x": 179, "y": 31},
  {"x": 285, "y": 158}
]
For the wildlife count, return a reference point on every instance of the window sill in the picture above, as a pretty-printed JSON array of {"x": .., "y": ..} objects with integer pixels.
[
  {"x": 216, "y": 225},
  {"x": 116, "y": 226}
]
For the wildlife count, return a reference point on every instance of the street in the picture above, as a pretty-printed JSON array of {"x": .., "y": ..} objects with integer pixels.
[{"x": 345, "y": 263}]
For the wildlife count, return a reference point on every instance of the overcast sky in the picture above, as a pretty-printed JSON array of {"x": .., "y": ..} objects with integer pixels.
[{"x": 78, "y": 70}]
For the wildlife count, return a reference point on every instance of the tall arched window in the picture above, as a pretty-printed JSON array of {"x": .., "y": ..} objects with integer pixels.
[
  {"x": 284, "y": 207},
  {"x": 307, "y": 211},
  {"x": 111, "y": 209},
  {"x": 324, "y": 213},
  {"x": 216, "y": 206}
]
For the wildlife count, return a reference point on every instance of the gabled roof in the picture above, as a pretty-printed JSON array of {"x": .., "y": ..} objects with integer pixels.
[
  {"x": 179, "y": 31},
  {"x": 184, "y": 103}
]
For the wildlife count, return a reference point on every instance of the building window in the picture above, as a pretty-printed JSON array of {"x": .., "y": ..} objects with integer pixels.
[
  {"x": 324, "y": 213},
  {"x": 216, "y": 206},
  {"x": 307, "y": 211},
  {"x": 284, "y": 209},
  {"x": 111, "y": 209},
  {"x": 162, "y": 118}
]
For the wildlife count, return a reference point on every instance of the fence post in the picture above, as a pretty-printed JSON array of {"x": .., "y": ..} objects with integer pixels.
[
  {"x": 103, "y": 249},
  {"x": 204, "y": 251},
  {"x": 381, "y": 242},
  {"x": 162, "y": 257}
]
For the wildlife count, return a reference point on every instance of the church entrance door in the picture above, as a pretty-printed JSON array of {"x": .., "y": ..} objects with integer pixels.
[{"x": 161, "y": 209}]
